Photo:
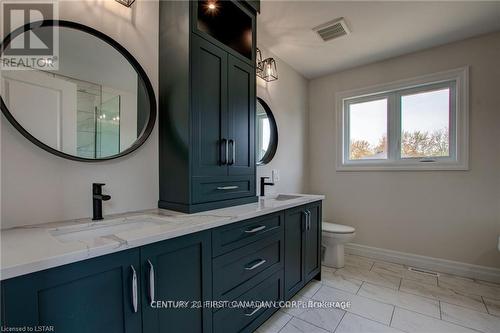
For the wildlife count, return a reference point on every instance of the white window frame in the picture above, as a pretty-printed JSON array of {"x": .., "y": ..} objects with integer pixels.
[{"x": 458, "y": 82}]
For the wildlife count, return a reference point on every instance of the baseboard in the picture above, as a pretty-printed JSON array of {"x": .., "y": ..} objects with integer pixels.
[{"x": 435, "y": 264}]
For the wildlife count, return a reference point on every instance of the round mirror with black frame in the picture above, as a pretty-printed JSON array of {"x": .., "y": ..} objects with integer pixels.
[
  {"x": 266, "y": 133},
  {"x": 91, "y": 101}
]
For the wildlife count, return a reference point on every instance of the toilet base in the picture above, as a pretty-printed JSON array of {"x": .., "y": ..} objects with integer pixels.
[{"x": 334, "y": 256}]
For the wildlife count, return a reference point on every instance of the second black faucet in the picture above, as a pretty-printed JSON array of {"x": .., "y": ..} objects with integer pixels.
[
  {"x": 97, "y": 199},
  {"x": 263, "y": 185}
]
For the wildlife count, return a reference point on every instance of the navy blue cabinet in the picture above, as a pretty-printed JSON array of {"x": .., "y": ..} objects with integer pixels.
[
  {"x": 177, "y": 270},
  {"x": 209, "y": 108},
  {"x": 295, "y": 225},
  {"x": 312, "y": 256},
  {"x": 96, "y": 295},
  {"x": 241, "y": 124},
  {"x": 302, "y": 246},
  {"x": 207, "y": 105}
]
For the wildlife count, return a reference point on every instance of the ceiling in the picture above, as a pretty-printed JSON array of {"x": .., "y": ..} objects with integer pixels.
[{"x": 379, "y": 30}]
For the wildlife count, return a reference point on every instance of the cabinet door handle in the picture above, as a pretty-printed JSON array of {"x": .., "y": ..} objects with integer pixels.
[
  {"x": 134, "y": 288},
  {"x": 256, "y": 229},
  {"x": 225, "y": 188},
  {"x": 233, "y": 156},
  {"x": 151, "y": 282},
  {"x": 253, "y": 312},
  {"x": 224, "y": 149},
  {"x": 257, "y": 264},
  {"x": 308, "y": 219},
  {"x": 304, "y": 223}
]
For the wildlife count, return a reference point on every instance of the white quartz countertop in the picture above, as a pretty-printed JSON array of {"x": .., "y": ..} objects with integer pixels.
[{"x": 34, "y": 248}]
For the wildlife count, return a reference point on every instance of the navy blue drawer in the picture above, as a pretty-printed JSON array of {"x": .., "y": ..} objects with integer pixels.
[
  {"x": 233, "y": 236},
  {"x": 208, "y": 189},
  {"x": 248, "y": 319},
  {"x": 232, "y": 272}
]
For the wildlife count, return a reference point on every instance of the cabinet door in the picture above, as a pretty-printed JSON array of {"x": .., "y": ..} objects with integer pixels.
[
  {"x": 241, "y": 109},
  {"x": 313, "y": 241},
  {"x": 294, "y": 250},
  {"x": 181, "y": 271},
  {"x": 90, "y": 296},
  {"x": 209, "y": 108}
]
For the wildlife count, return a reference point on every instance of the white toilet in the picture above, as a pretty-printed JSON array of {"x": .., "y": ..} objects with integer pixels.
[{"x": 334, "y": 238}]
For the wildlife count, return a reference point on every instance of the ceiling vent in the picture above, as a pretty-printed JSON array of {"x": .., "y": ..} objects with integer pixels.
[{"x": 332, "y": 29}]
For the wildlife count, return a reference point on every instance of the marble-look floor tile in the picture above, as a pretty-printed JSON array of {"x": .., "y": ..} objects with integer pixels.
[
  {"x": 380, "y": 279},
  {"x": 493, "y": 306},
  {"x": 275, "y": 323},
  {"x": 358, "y": 261},
  {"x": 310, "y": 289},
  {"x": 299, "y": 326},
  {"x": 340, "y": 281},
  {"x": 402, "y": 271},
  {"x": 443, "y": 294},
  {"x": 404, "y": 300},
  {"x": 352, "y": 323},
  {"x": 413, "y": 322},
  {"x": 469, "y": 318},
  {"x": 327, "y": 318},
  {"x": 469, "y": 286},
  {"x": 362, "y": 306}
]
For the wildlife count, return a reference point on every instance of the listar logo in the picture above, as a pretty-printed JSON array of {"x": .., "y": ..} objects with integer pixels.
[{"x": 36, "y": 47}]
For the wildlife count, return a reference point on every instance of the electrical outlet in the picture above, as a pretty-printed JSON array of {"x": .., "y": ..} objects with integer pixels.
[{"x": 276, "y": 175}]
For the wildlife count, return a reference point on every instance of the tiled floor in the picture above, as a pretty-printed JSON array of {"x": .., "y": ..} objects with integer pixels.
[{"x": 386, "y": 297}]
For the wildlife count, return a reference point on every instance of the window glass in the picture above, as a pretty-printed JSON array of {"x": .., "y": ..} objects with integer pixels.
[
  {"x": 425, "y": 119},
  {"x": 368, "y": 130}
]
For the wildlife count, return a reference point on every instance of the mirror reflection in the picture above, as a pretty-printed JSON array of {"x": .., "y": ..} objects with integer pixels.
[
  {"x": 266, "y": 132},
  {"x": 94, "y": 106}
]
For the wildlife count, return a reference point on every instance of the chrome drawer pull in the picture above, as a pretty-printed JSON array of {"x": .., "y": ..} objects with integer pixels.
[
  {"x": 253, "y": 312},
  {"x": 151, "y": 282},
  {"x": 256, "y": 229},
  {"x": 254, "y": 266},
  {"x": 225, "y": 188},
  {"x": 134, "y": 288}
]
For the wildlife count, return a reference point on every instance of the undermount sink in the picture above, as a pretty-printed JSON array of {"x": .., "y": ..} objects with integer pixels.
[
  {"x": 285, "y": 197},
  {"x": 105, "y": 228}
]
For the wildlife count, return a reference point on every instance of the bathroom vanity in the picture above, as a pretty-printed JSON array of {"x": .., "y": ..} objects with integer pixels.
[{"x": 161, "y": 271}]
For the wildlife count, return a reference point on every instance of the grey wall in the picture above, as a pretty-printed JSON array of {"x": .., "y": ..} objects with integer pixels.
[
  {"x": 39, "y": 187},
  {"x": 287, "y": 98},
  {"x": 446, "y": 214}
]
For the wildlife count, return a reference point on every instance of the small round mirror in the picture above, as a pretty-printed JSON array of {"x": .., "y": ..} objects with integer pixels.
[
  {"x": 89, "y": 101},
  {"x": 267, "y": 133}
]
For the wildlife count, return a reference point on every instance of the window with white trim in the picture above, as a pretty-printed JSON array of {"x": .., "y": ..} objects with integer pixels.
[{"x": 415, "y": 124}]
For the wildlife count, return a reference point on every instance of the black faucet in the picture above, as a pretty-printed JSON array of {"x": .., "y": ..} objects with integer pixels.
[
  {"x": 98, "y": 198},
  {"x": 263, "y": 184}
]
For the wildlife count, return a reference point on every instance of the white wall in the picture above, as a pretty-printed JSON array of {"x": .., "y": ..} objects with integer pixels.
[
  {"x": 446, "y": 214},
  {"x": 287, "y": 98},
  {"x": 39, "y": 187}
]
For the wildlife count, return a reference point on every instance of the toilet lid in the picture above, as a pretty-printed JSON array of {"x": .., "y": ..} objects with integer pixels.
[{"x": 337, "y": 228}]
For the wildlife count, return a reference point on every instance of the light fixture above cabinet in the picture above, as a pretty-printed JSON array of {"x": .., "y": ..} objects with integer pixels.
[
  {"x": 266, "y": 69},
  {"x": 269, "y": 71}
]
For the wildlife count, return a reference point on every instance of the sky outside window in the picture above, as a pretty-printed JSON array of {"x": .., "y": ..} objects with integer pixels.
[{"x": 368, "y": 130}]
